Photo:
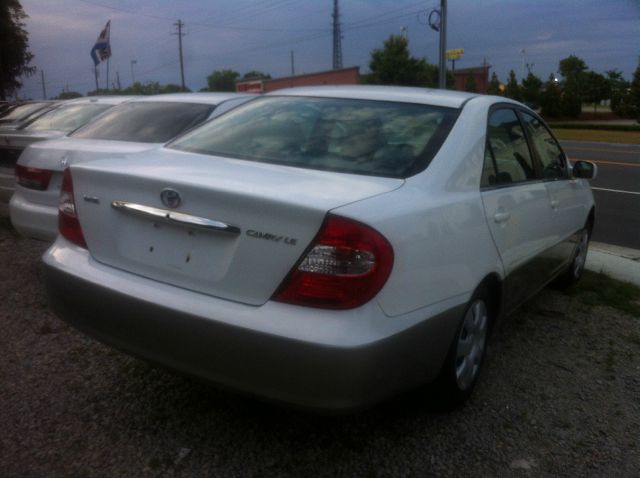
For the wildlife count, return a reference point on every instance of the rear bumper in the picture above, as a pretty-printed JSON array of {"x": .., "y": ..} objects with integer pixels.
[
  {"x": 33, "y": 220},
  {"x": 212, "y": 338}
]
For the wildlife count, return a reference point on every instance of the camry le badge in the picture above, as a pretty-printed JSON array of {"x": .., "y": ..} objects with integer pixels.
[{"x": 170, "y": 198}]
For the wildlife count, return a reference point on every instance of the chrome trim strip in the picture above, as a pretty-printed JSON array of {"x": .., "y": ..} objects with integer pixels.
[{"x": 174, "y": 217}]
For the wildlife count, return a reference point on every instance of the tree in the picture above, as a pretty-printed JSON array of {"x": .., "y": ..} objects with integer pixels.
[
  {"x": 513, "y": 88},
  {"x": 68, "y": 95},
  {"x": 572, "y": 67},
  {"x": 634, "y": 94},
  {"x": 550, "y": 98},
  {"x": 531, "y": 86},
  {"x": 494, "y": 85},
  {"x": 222, "y": 80},
  {"x": 14, "y": 47},
  {"x": 619, "y": 88},
  {"x": 595, "y": 88},
  {"x": 571, "y": 100},
  {"x": 470, "y": 84},
  {"x": 256, "y": 75},
  {"x": 394, "y": 65}
]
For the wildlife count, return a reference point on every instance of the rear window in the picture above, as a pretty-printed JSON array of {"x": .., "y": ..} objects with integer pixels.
[
  {"x": 145, "y": 121},
  {"x": 67, "y": 118},
  {"x": 375, "y": 138},
  {"x": 21, "y": 112}
]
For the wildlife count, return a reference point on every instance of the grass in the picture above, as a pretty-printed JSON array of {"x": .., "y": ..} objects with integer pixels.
[
  {"x": 625, "y": 137},
  {"x": 596, "y": 288}
]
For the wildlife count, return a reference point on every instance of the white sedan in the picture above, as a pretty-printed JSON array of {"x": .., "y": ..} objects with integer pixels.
[
  {"x": 137, "y": 125},
  {"x": 326, "y": 247}
]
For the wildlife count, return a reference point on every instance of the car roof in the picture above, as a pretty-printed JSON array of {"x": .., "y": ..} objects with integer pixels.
[
  {"x": 107, "y": 100},
  {"x": 402, "y": 94},
  {"x": 206, "y": 98}
]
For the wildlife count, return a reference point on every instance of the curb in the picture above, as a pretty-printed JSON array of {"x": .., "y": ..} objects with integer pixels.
[{"x": 621, "y": 263}]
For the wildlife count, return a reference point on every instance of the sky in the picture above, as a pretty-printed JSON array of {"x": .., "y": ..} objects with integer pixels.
[{"x": 246, "y": 35}]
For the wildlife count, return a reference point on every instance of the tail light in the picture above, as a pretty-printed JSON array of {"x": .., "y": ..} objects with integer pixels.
[
  {"x": 68, "y": 223},
  {"x": 33, "y": 178},
  {"x": 345, "y": 267}
]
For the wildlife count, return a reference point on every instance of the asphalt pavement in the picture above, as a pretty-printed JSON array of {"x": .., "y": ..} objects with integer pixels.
[{"x": 616, "y": 190}]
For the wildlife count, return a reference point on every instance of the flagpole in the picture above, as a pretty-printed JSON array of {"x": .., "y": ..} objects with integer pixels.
[
  {"x": 107, "y": 74},
  {"x": 95, "y": 73}
]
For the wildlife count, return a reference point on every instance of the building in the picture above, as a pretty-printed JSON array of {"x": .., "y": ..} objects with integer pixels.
[
  {"x": 480, "y": 74},
  {"x": 344, "y": 76}
]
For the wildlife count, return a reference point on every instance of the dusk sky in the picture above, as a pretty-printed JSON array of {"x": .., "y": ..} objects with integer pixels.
[{"x": 248, "y": 35}]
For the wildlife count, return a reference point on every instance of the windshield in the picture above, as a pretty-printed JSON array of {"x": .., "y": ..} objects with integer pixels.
[
  {"x": 22, "y": 111},
  {"x": 67, "y": 118},
  {"x": 376, "y": 138},
  {"x": 145, "y": 121}
]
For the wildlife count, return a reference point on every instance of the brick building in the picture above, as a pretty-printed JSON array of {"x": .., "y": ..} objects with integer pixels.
[
  {"x": 480, "y": 73},
  {"x": 344, "y": 76}
]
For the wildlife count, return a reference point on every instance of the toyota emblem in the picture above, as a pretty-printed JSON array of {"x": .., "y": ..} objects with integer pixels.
[{"x": 170, "y": 198}]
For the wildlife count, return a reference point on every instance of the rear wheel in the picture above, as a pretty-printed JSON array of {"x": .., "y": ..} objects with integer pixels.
[
  {"x": 576, "y": 268},
  {"x": 466, "y": 354}
]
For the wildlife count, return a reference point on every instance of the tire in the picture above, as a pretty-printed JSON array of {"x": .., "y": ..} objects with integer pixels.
[
  {"x": 574, "y": 272},
  {"x": 464, "y": 361}
]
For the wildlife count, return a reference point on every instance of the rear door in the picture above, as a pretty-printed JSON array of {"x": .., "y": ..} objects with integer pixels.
[
  {"x": 565, "y": 196},
  {"x": 516, "y": 205}
]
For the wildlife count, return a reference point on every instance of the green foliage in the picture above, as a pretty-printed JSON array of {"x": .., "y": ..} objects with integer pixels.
[
  {"x": 596, "y": 126},
  {"x": 596, "y": 288},
  {"x": 149, "y": 88},
  {"x": 620, "y": 96},
  {"x": 394, "y": 65},
  {"x": 596, "y": 88},
  {"x": 222, "y": 80},
  {"x": 572, "y": 67},
  {"x": 531, "y": 89},
  {"x": 68, "y": 95},
  {"x": 634, "y": 94},
  {"x": 14, "y": 47},
  {"x": 256, "y": 75},
  {"x": 494, "y": 85},
  {"x": 470, "y": 84},
  {"x": 571, "y": 100},
  {"x": 513, "y": 88},
  {"x": 550, "y": 98}
]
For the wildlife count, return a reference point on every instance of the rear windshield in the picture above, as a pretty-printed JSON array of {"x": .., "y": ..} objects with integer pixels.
[
  {"x": 145, "y": 121},
  {"x": 67, "y": 118},
  {"x": 21, "y": 112},
  {"x": 375, "y": 138}
]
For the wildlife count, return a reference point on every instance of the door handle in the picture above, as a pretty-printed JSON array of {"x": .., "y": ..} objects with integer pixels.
[
  {"x": 555, "y": 203},
  {"x": 501, "y": 217}
]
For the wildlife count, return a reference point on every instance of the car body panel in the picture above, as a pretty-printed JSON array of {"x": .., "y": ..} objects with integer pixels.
[
  {"x": 57, "y": 154},
  {"x": 439, "y": 222},
  {"x": 246, "y": 266}
]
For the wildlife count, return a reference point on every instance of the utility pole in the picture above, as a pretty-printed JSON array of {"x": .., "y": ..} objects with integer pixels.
[
  {"x": 44, "y": 89},
  {"x": 118, "y": 80},
  {"x": 337, "y": 37},
  {"x": 293, "y": 69},
  {"x": 179, "y": 24},
  {"x": 524, "y": 59},
  {"x": 133, "y": 78},
  {"x": 442, "y": 67}
]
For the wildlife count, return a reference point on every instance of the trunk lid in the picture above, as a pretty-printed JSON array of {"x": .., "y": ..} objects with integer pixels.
[{"x": 273, "y": 213}]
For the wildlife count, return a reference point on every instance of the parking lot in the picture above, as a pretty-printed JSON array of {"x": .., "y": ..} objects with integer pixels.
[{"x": 559, "y": 397}]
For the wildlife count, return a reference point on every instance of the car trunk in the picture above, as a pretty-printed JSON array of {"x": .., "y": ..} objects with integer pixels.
[{"x": 274, "y": 213}]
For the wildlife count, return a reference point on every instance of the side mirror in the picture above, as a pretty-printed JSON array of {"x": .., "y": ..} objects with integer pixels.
[{"x": 585, "y": 170}]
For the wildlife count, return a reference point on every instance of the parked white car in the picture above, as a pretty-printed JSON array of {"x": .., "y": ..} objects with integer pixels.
[
  {"x": 138, "y": 125},
  {"x": 326, "y": 247},
  {"x": 64, "y": 118}
]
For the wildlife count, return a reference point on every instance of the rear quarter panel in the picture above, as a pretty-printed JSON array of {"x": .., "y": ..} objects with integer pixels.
[{"x": 436, "y": 223}]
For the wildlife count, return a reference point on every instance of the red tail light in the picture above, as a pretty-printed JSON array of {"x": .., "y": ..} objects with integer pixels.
[
  {"x": 33, "y": 178},
  {"x": 345, "y": 267},
  {"x": 68, "y": 223}
]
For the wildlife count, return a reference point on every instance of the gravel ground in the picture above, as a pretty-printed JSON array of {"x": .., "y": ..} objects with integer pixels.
[{"x": 559, "y": 397}]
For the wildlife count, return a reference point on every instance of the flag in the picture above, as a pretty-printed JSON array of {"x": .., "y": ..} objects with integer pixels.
[{"x": 102, "y": 48}]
